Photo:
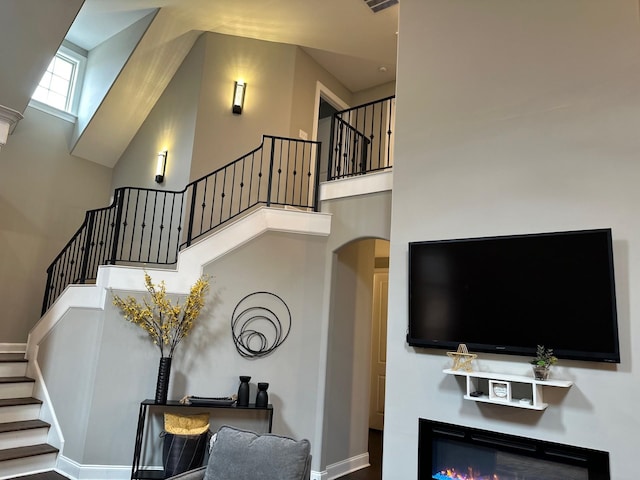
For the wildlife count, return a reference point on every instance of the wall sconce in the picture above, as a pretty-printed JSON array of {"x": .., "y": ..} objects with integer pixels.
[
  {"x": 161, "y": 166},
  {"x": 238, "y": 97}
]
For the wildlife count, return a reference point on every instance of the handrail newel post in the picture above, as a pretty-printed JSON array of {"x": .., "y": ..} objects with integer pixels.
[
  {"x": 270, "y": 182},
  {"x": 116, "y": 232},
  {"x": 330, "y": 152},
  {"x": 87, "y": 247},
  {"x": 192, "y": 213},
  {"x": 316, "y": 182},
  {"x": 47, "y": 290}
]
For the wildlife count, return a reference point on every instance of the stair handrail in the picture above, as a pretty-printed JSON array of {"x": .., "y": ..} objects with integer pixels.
[
  {"x": 349, "y": 153},
  {"x": 118, "y": 232}
]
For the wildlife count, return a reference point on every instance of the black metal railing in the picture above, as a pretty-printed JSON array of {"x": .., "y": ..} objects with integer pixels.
[
  {"x": 362, "y": 139},
  {"x": 150, "y": 226}
]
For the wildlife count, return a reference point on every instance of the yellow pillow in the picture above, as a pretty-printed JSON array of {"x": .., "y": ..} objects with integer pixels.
[{"x": 186, "y": 424}]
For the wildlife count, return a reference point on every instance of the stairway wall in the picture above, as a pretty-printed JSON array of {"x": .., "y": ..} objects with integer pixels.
[
  {"x": 44, "y": 194},
  {"x": 126, "y": 362},
  {"x": 169, "y": 126},
  {"x": 68, "y": 361}
]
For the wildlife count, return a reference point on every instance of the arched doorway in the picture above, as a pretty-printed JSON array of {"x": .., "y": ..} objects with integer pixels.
[{"x": 354, "y": 394}]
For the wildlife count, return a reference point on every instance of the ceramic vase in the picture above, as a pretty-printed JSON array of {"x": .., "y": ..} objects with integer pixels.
[
  {"x": 243, "y": 391},
  {"x": 262, "y": 397}
]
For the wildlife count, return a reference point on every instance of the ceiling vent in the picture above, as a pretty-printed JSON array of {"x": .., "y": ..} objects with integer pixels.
[{"x": 377, "y": 5}]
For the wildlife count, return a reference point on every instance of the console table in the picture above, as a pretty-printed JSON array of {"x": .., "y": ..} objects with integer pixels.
[{"x": 147, "y": 474}]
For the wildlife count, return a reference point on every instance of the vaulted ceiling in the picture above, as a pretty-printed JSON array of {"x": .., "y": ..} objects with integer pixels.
[{"x": 346, "y": 37}]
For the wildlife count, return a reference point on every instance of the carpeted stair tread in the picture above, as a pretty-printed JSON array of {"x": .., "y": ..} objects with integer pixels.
[
  {"x": 12, "y": 402},
  {"x": 23, "y": 425},
  {"x": 16, "y": 380},
  {"x": 12, "y": 357},
  {"x": 30, "y": 451}
]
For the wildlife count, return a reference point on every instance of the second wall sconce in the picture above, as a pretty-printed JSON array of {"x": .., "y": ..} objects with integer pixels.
[
  {"x": 161, "y": 166},
  {"x": 238, "y": 97}
]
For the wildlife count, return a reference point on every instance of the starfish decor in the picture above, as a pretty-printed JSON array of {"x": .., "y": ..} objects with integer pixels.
[{"x": 462, "y": 358}]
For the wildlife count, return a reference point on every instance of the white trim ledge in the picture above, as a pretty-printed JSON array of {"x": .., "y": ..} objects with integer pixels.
[
  {"x": 358, "y": 185},
  {"x": 9, "y": 118}
]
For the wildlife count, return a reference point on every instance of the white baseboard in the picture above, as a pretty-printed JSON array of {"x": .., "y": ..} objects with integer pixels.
[
  {"x": 319, "y": 475},
  {"x": 349, "y": 465},
  {"x": 13, "y": 347},
  {"x": 72, "y": 469}
]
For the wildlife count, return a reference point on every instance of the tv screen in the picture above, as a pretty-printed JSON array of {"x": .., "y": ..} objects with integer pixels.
[{"x": 509, "y": 294}]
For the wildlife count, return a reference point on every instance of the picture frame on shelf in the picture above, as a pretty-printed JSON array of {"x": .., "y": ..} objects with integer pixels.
[{"x": 499, "y": 390}]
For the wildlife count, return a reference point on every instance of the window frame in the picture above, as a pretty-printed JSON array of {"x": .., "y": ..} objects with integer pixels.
[{"x": 70, "y": 114}]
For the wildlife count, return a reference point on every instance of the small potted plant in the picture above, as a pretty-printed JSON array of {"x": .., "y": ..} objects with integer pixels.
[{"x": 542, "y": 363}]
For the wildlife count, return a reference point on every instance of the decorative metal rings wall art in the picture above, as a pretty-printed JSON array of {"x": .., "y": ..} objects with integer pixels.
[{"x": 260, "y": 323}]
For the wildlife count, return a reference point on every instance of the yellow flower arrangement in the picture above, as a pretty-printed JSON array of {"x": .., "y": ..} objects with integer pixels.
[{"x": 165, "y": 323}]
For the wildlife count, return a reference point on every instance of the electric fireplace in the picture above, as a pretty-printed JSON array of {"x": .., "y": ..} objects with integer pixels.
[{"x": 454, "y": 452}]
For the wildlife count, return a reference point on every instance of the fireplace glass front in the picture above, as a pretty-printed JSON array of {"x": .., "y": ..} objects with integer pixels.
[{"x": 453, "y": 452}]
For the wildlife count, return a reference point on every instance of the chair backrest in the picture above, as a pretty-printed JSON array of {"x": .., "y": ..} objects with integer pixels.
[{"x": 245, "y": 455}]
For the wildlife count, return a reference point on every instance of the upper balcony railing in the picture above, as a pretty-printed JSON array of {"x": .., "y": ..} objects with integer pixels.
[
  {"x": 151, "y": 226},
  {"x": 145, "y": 226},
  {"x": 362, "y": 139}
]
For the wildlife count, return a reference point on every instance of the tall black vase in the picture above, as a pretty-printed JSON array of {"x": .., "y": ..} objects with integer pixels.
[
  {"x": 162, "y": 387},
  {"x": 262, "y": 397},
  {"x": 243, "y": 391}
]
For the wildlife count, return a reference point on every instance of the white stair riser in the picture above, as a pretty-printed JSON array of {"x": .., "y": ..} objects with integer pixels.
[
  {"x": 16, "y": 390},
  {"x": 23, "y": 438},
  {"x": 13, "y": 369},
  {"x": 22, "y": 466},
  {"x": 18, "y": 413}
]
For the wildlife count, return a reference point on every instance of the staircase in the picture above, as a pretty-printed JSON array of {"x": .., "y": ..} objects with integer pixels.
[{"x": 23, "y": 437}]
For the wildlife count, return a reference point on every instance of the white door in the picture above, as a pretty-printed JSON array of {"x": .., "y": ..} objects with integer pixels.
[{"x": 378, "y": 348}]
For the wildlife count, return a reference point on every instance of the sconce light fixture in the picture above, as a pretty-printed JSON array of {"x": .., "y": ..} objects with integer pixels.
[
  {"x": 238, "y": 96},
  {"x": 161, "y": 166}
]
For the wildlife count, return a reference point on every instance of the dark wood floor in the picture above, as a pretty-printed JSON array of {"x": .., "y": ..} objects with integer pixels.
[
  {"x": 42, "y": 476},
  {"x": 374, "y": 471}
]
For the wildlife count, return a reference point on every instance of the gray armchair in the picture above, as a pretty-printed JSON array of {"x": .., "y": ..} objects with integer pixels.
[{"x": 242, "y": 455}]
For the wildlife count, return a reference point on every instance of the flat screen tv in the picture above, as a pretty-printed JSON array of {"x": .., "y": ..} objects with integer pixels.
[{"x": 508, "y": 294}]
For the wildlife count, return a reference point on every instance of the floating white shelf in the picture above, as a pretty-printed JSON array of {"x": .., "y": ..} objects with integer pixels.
[{"x": 501, "y": 387}]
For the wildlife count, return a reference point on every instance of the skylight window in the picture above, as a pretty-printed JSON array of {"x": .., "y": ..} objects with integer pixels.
[
  {"x": 56, "y": 85},
  {"x": 58, "y": 90}
]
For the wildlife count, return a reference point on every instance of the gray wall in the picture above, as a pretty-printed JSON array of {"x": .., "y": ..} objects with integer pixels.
[
  {"x": 44, "y": 193},
  {"x": 193, "y": 118},
  {"x": 125, "y": 362},
  {"x": 104, "y": 64},
  {"x": 27, "y": 52},
  {"x": 306, "y": 76},
  {"x": 68, "y": 360},
  {"x": 527, "y": 125},
  {"x": 267, "y": 68},
  {"x": 170, "y": 126},
  {"x": 374, "y": 93}
]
